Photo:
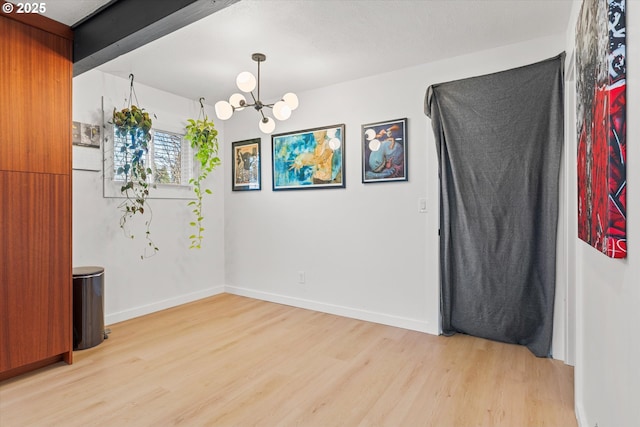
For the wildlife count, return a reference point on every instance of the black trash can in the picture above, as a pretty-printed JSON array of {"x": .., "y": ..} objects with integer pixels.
[{"x": 88, "y": 303}]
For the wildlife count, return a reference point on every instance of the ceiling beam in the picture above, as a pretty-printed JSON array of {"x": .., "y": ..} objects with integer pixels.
[{"x": 124, "y": 25}]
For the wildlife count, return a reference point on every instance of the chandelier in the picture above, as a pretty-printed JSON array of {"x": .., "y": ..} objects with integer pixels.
[{"x": 247, "y": 82}]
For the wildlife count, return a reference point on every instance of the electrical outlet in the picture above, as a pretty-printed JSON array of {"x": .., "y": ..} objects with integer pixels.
[{"x": 301, "y": 277}]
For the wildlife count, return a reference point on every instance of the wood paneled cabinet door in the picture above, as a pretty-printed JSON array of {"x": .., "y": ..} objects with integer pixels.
[
  {"x": 35, "y": 99},
  {"x": 35, "y": 277}
]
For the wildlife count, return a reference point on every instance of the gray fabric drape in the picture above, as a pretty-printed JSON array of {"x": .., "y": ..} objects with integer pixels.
[{"x": 499, "y": 140}]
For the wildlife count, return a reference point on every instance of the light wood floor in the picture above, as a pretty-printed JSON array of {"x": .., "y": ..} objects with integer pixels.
[{"x": 235, "y": 361}]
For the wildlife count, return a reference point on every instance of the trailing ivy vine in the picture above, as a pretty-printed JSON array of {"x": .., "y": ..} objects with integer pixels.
[
  {"x": 203, "y": 137},
  {"x": 133, "y": 124}
]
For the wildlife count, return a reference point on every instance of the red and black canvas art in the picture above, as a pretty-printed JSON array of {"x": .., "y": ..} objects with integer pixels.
[{"x": 601, "y": 126}]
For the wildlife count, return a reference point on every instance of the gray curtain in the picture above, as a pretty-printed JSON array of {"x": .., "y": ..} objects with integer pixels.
[{"x": 499, "y": 140}]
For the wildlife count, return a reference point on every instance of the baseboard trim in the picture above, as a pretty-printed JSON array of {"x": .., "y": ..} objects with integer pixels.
[
  {"x": 369, "y": 316},
  {"x": 121, "y": 316}
]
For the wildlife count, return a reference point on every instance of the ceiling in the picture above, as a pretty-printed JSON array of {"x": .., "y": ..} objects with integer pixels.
[
  {"x": 316, "y": 43},
  {"x": 70, "y": 12}
]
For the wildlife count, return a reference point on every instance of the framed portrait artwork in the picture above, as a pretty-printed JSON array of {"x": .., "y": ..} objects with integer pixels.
[
  {"x": 309, "y": 159},
  {"x": 384, "y": 151},
  {"x": 246, "y": 165}
]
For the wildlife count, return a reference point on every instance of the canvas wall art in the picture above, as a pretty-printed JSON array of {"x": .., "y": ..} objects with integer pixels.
[
  {"x": 309, "y": 159},
  {"x": 246, "y": 165},
  {"x": 601, "y": 125},
  {"x": 384, "y": 151}
]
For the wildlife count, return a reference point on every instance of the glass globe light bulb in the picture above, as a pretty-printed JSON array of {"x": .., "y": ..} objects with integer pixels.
[
  {"x": 246, "y": 81},
  {"x": 224, "y": 110},
  {"x": 267, "y": 126},
  {"x": 291, "y": 99},
  {"x": 236, "y": 100},
  {"x": 281, "y": 110}
]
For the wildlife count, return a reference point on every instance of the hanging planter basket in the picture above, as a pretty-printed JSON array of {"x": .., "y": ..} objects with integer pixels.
[
  {"x": 133, "y": 125},
  {"x": 203, "y": 138}
]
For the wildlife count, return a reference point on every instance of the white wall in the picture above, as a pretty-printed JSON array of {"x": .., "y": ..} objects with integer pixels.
[
  {"x": 366, "y": 250},
  {"x": 607, "y": 377},
  {"x": 175, "y": 274}
]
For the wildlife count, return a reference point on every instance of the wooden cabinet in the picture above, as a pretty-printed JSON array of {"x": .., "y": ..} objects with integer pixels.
[
  {"x": 35, "y": 193},
  {"x": 35, "y": 99},
  {"x": 35, "y": 291}
]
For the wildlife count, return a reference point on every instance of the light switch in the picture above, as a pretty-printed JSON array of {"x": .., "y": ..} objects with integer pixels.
[{"x": 422, "y": 205}]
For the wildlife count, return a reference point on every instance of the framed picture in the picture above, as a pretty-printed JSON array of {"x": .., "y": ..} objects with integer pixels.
[
  {"x": 309, "y": 159},
  {"x": 246, "y": 165},
  {"x": 85, "y": 135},
  {"x": 384, "y": 151},
  {"x": 601, "y": 105}
]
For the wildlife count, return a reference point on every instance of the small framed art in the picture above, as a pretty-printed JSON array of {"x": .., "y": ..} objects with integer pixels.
[
  {"x": 384, "y": 151},
  {"x": 85, "y": 135},
  {"x": 246, "y": 165},
  {"x": 309, "y": 159}
]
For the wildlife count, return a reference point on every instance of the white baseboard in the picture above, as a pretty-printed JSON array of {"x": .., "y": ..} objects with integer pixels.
[
  {"x": 161, "y": 305},
  {"x": 369, "y": 316}
]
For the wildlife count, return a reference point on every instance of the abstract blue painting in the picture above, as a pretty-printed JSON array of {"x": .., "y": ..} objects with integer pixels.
[{"x": 309, "y": 159}]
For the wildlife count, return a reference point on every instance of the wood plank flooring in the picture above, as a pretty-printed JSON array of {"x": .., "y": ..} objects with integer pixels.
[{"x": 234, "y": 361}]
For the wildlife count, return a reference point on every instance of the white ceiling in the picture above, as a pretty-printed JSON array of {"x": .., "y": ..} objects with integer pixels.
[
  {"x": 315, "y": 43},
  {"x": 70, "y": 12}
]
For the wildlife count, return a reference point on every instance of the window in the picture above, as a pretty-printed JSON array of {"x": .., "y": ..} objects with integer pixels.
[
  {"x": 166, "y": 152},
  {"x": 169, "y": 157}
]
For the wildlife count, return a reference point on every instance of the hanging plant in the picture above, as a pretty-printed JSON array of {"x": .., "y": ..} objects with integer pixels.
[
  {"x": 203, "y": 137},
  {"x": 133, "y": 124}
]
